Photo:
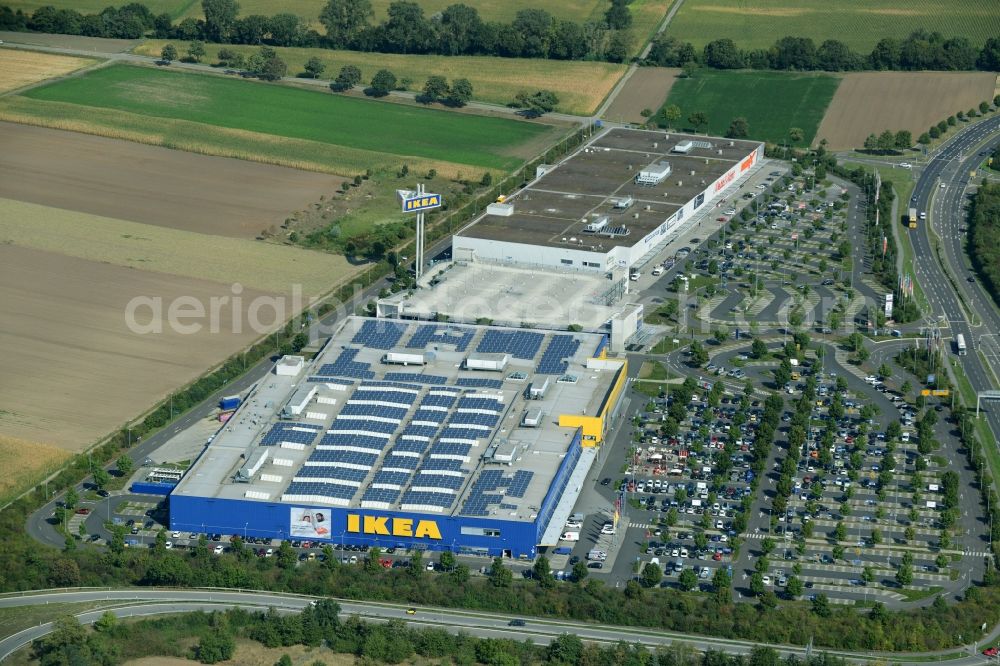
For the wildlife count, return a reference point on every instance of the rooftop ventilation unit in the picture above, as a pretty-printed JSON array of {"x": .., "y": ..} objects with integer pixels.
[
  {"x": 624, "y": 203},
  {"x": 654, "y": 174},
  {"x": 684, "y": 147},
  {"x": 500, "y": 209},
  {"x": 596, "y": 225},
  {"x": 254, "y": 463},
  {"x": 536, "y": 391}
]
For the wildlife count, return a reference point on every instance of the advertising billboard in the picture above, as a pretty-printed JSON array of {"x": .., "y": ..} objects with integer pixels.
[
  {"x": 699, "y": 200},
  {"x": 309, "y": 523}
]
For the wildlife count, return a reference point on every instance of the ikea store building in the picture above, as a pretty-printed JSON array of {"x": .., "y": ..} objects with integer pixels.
[{"x": 475, "y": 439}]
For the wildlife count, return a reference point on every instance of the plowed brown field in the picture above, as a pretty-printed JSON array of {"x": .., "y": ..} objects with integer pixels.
[
  {"x": 871, "y": 102},
  {"x": 647, "y": 88},
  {"x": 149, "y": 184}
]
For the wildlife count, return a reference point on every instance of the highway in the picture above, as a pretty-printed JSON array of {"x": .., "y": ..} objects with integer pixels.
[
  {"x": 940, "y": 192},
  {"x": 149, "y": 601}
]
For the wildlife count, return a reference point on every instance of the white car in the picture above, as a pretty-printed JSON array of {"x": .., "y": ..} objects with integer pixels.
[
  {"x": 942, "y": 186},
  {"x": 430, "y": 566},
  {"x": 176, "y": 535},
  {"x": 218, "y": 549},
  {"x": 767, "y": 580},
  {"x": 905, "y": 165},
  {"x": 608, "y": 528},
  {"x": 168, "y": 545}
]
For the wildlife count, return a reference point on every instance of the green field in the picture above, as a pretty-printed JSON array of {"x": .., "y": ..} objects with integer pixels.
[
  {"x": 757, "y": 24},
  {"x": 175, "y": 8},
  {"x": 580, "y": 86},
  {"x": 772, "y": 102},
  {"x": 297, "y": 114}
]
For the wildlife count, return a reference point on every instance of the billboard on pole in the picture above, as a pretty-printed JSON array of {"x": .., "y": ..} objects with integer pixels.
[{"x": 414, "y": 202}]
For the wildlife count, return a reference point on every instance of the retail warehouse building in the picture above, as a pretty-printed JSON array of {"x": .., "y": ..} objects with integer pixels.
[
  {"x": 475, "y": 439},
  {"x": 611, "y": 204}
]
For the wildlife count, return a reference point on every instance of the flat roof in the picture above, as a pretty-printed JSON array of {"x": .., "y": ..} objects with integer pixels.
[
  {"x": 432, "y": 438},
  {"x": 512, "y": 295},
  {"x": 585, "y": 186}
]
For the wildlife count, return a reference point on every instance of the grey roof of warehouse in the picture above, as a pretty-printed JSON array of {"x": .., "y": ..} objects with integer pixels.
[
  {"x": 586, "y": 186},
  {"x": 436, "y": 437}
]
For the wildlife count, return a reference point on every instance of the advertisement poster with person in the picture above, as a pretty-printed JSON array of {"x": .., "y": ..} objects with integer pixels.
[{"x": 310, "y": 523}]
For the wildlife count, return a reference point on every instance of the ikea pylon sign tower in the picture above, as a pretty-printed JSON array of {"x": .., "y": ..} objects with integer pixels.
[{"x": 418, "y": 202}]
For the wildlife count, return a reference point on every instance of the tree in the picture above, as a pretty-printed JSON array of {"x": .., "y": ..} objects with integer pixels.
[
  {"x": 344, "y": 19},
  {"x": 757, "y": 584},
  {"x": 738, "y": 129},
  {"x": 904, "y": 139},
  {"x": 758, "y": 349},
  {"x": 796, "y": 134},
  {"x": 840, "y": 532},
  {"x": 435, "y": 88},
  {"x": 196, "y": 50},
  {"x": 348, "y": 77},
  {"x": 537, "y": 103},
  {"x": 542, "y": 572},
  {"x": 266, "y": 64},
  {"x": 821, "y": 605},
  {"x": 698, "y": 119},
  {"x": 215, "y": 646},
  {"x": 71, "y": 499},
  {"x": 794, "y": 587},
  {"x": 220, "y": 17},
  {"x": 671, "y": 114},
  {"x": 459, "y": 94},
  {"x": 446, "y": 560},
  {"x": 904, "y": 574},
  {"x": 699, "y": 355},
  {"x": 500, "y": 575},
  {"x": 101, "y": 478},
  {"x": 168, "y": 53},
  {"x": 314, "y": 67},
  {"x": 580, "y": 571},
  {"x": 722, "y": 54},
  {"x": 688, "y": 580},
  {"x": 619, "y": 46},
  {"x": 382, "y": 83}
]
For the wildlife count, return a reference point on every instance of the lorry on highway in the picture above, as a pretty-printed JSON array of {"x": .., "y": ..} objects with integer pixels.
[
  {"x": 960, "y": 347},
  {"x": 229, "y": 402},
  {"x": 912, "y": 217}
]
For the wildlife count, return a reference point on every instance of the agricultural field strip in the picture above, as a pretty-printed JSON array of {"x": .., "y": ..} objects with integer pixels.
[
  {"x": 294, "y": 113},
  {"x": 580, "y": 86},
  {"x": 871, "y": 102},
  {"x": 22, "y": 68},
  {"x": 152, "y": 185},
  {"x": 213, "y": 140},
  {"x": 758, "y": 24},
  {"x": 725, "y": 95},
  {"x": 263, "y": 266}
]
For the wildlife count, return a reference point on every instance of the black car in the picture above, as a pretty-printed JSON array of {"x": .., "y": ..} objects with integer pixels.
[
  {"x": 516, "y": 623},
  {"x": 605, "y": 481},
  {"x": 595, "y": 565},
  {"x": 970, "y": 279},
  {"x": 103, "y": 493}
]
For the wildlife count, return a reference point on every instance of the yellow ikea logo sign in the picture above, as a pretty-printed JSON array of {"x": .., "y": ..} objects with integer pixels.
[
  {"x": 420, "y": 203},
  {"x": 386, "y": 526}
]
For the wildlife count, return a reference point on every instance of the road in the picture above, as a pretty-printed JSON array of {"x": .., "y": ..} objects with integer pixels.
[
  {"x": 487, "y": 625},
  {"x": 940, "y": 192}
]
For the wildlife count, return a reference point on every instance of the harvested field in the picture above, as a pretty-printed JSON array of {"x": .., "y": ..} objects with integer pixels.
[
  {"x": 97, "y": 45},
  {"x": 294, "y": 113},
  {"x": 870, "y": 102},
  {"x": 262, "y": 266},
  {"x": 26, "y": 462},
  {"x": 580, "y": 86},
  {"x": 647, "y": 15},
  {"x": 22, "y": 68},
  {"x": 757, "y": 24},
  {"x": 647, "y": 88},
  {"x": 73, "y": 369},
  {"x": 170, "y": 188}
]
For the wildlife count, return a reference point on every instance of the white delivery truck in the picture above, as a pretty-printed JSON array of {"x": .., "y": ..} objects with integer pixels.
[{"x": 570, "y": 536}]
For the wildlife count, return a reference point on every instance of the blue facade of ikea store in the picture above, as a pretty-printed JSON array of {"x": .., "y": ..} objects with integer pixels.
[{"x": 356, "y": 526}]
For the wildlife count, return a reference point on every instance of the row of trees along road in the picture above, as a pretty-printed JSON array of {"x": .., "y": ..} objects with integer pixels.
[{"x": 457, "y": 30}]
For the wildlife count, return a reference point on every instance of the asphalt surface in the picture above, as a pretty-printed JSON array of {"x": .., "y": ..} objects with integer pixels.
[
  {"x": 951, "y": 166},
  {"x": 487, "y": 625}
]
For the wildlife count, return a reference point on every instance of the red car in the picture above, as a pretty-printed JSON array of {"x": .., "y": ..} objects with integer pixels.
[
  {"x": 83, "y": 512},
  {"x": 717, "y": 556},
  {"x": 991, "y": 652}
]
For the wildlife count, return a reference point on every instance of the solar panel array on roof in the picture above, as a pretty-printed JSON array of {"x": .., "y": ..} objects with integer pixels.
[
  {"x": 298, "y": 433},
  {"x": 395, "y": 479},
  {"x": 360, "y": 441},
  {"x": 478, "y": 382},
  {"x": 346, "y": 366},
  {"x": 430, "y": 480},
  {"x": 424, "y": 433},
  {"x": 442, "y": 449},
  {"x": 363, "y": 461},
  {"x": 347, "y": 426},
  {"x": 439, "y": 400},
  {"x": 394, "y": 461},
  {"x": 441, "y": 335},
  {"x": 560, "y": 347},
  {"x": 355, "y": 409},
  {"x": 519, "y": 483},
  {"x": 312, "y": 489},
  {"x": 410, "y": 445},
  {"x": 519, "y": 344},
  {"x": 484, "y": 491},
  {"x": 414, "y": 499},
  {"x": 460, "y": 435},
  {"x": 460, "y": 419},
  {"x": 381, "y": 495},
  {"x": 379, "y": 334},
  {"x": 351, "y": 477},
  {"x": 415, "y": 378},
  {"x": 390, "y": 392},
  {"x": 442, "y": 463},
  {"x": 492, "y": 404}
]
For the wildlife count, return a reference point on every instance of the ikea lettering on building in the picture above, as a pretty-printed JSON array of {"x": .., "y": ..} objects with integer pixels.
[
  {"x": 422, "y": 202},
  {"x": 412, "y": 434}
]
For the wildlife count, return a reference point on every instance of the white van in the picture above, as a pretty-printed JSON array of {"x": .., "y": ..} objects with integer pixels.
[{"x": 570, "y": 536}]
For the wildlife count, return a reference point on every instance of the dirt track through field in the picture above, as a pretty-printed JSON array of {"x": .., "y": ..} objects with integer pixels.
[
  {"x": 73, "y": 369},
  {"x": 871, "y": 102},
  {"x": 647, "y": 88},
  {"x": 149, "y": 184}
]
